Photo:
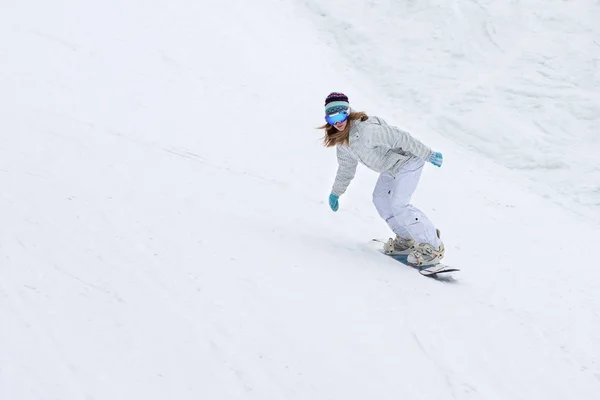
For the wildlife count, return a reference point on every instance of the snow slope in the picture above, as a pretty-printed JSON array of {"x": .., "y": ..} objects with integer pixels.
[
  {"x": 517, "y": 82},
  {"x": 165, "y": 232}
]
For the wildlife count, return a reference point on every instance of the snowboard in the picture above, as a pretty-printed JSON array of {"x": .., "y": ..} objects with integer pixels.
[{"x": 431, "y": 271}]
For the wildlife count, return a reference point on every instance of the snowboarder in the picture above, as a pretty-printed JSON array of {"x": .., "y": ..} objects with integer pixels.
[{"x": 399, "y": 158}]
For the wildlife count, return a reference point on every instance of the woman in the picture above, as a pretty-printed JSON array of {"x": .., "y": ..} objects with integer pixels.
[{"x": 400, "y": 159}]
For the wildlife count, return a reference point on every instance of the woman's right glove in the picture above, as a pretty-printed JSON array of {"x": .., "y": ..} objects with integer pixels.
[
  {"x": 333, "y": 202},
  {"x": 436, "y": 159}
]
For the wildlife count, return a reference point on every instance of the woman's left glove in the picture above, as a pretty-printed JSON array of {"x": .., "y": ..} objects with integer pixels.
[
  {"x": 436, "y": 159},
  {"x": 333, "y": 202}
]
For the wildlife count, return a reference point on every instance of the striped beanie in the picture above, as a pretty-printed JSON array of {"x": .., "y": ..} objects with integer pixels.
[{"x": 336, "y": 102}]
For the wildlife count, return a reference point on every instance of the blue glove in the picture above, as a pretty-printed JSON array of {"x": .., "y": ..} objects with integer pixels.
[
  {"x": 436, "y": 159},
  {"x": 333, "y": 202}
]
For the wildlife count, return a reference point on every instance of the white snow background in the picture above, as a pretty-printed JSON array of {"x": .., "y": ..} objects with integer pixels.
[{"x": 164, "y": 227}]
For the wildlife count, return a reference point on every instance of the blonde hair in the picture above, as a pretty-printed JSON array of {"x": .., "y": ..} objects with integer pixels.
[{"x": 333, "y": 137}]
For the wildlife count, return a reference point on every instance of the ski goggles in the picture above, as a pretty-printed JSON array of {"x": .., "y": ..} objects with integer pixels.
[{"x": 337, "y": 117}]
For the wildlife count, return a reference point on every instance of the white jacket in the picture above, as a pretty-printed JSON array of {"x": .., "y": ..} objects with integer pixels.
[{"x": 377, "y": 145}]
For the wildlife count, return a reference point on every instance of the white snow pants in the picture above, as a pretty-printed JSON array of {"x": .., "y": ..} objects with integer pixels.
[{"x": 392, "y": 200}]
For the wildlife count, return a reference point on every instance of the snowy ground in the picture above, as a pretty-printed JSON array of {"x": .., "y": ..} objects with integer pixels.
[
  {"x": 165, "y": 232},
  {"x": 517, "y": 82}
]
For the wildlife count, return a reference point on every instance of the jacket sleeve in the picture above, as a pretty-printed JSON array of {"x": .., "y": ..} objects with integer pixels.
[
  {"x": 394, "y": 138},
  {"x": 346, "y": 170}
]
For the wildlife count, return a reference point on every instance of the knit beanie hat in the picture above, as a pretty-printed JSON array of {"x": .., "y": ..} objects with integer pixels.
[{"x": 336, "y": 102}]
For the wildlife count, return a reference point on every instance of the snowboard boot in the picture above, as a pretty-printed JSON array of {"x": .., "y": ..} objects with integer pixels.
[
  {"x": 426, "y": 254},
  {"x": 399, "y": 246}
]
